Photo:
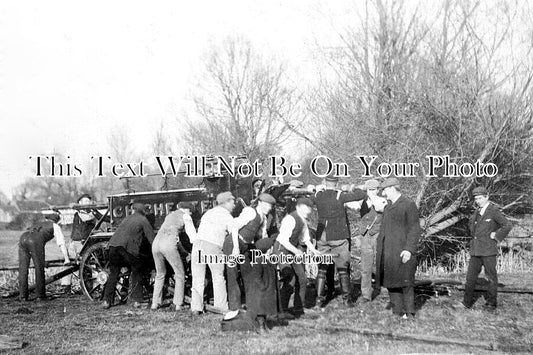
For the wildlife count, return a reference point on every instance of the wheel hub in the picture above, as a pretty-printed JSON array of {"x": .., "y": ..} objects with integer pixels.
[{"x": 102, "y": 277}]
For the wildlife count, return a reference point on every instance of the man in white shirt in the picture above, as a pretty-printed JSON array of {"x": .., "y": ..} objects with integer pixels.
[
  {"x": 294, "y": 233},
  {"x": 214, "y": 226},
  {"x": 247, "y": 229},
  {"x": 31, "y": 245}
]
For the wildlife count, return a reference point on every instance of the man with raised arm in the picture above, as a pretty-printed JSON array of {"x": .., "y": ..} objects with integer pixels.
[{"x": 293, "y": 235}]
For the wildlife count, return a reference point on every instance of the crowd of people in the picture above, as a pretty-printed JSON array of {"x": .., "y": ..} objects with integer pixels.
[{"x": 389, "y": 232}]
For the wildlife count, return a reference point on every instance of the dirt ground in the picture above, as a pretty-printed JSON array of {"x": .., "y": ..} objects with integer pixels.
[{"x": 74, "y": 324}]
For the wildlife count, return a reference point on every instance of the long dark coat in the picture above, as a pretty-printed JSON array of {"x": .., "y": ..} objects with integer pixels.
[
  {"x": 400, "y": 230},
  {"x": 261, "y": 294}
]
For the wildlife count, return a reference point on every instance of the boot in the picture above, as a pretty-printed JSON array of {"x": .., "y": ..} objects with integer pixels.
[
  {"x": 320, "y": 286},
  {"x": 263, "y": 328},
  {"x": 344, "y": 278}
]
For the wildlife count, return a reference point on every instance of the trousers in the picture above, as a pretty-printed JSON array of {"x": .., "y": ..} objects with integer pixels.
[
  {"x": 474, "y": 268},
  {"x": 73, "y": 247},
  {"x": 368, "y": 259},
  {"x": 402, "y": 299},
  {"x": 293, "y": 280},
  {"x": 31, "y": 246},
  {"x": 204, "y": 248},
  {"x": 119, "y": 257},
  {"x": 164, "y": 248}
]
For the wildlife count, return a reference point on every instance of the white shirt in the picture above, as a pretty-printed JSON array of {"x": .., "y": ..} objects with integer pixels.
[
  {"x": 285, "y": 231},
  {"x": 483, "y": 209},
  {"x": 247, "y": 215},
  {"x": 215, "y": 225},
  {"x": 58, "y": 234}
]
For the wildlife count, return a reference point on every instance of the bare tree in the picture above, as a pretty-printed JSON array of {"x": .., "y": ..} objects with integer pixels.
[
  {"x": 161, "y": 142},
  {"x": 241, "y": 101},
  {"x": 405, "y": 87}
]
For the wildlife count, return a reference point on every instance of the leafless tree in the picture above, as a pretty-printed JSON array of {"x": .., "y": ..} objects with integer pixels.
[
  {"x": 403, "y": 86},
  {"x": 241, "y": 100}
]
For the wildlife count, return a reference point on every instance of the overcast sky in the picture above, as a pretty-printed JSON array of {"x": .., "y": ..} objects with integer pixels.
[{"x": 71, "y": 71}]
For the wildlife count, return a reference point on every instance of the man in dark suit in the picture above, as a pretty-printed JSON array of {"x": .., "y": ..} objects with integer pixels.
[
  {"x": 487, "y": 227},
  {"x": 396, "y": 249},
  {"x": 124, "y": 250}
]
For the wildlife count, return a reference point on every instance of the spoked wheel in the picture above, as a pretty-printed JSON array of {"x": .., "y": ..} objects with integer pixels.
[{"x": 94, "y": 273}]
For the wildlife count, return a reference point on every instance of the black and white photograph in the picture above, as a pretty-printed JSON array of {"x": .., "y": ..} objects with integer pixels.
[{"x": 266, "y": 177}]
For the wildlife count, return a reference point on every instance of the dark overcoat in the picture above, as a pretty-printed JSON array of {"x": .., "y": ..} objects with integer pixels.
[
  {"x": 399, "y": 230},
  {"x": 130, "y": 234},
  {"x": 481, "y": 226},
  {"x": 261, "y": 295},
  {"x": 332, "y": 214}
]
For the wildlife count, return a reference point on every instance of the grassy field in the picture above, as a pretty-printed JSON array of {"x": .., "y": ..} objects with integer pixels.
[{"x": 74, "y": 325}]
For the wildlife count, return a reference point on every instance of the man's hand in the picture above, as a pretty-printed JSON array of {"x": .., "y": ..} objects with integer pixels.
[
  {"x": 66, "y": 262},
  {"x": 405, "y": 255},
  {"x": 493, "y": 235}
]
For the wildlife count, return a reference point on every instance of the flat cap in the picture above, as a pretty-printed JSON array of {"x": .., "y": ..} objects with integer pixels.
[
  {"x": 268, "y": 198},
  {"x": 371, "y": 184},
  {"x": 391, "y": 181},
  {"x": 138, "y": 207},
  {"x": 264, "y": 244},
  {"x": 480, "y": 190},
  {"x": 305, "y": 201},
  {"x": 84, "y": 196},
  {"x": 224, "y": 197}
]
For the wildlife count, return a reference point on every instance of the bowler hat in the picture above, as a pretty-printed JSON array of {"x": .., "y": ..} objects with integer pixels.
[
  {"x": 224, "y": 197},
  {"x": 304, "y": 201},
  {"x": 391, "y": 181},
  {"x": 267, "y": 198},
  {"x": 480, "y": 190},
  {"x": 371, "y": 184}
]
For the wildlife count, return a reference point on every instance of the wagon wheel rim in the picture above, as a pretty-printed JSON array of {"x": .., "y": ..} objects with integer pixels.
[{"x": 94, "y": 270}]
